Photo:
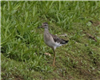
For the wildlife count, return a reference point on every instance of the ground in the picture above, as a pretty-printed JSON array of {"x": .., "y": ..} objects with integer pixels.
[{"x": 23, "y": 49}]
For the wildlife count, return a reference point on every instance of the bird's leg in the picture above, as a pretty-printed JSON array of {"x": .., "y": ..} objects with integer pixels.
[{"x": 54, "y": 57}]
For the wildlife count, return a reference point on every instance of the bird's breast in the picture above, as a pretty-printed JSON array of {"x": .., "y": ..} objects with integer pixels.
[{"x": 48, "y": 39}]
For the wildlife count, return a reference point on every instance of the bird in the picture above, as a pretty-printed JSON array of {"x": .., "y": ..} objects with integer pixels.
[{"x": 51, "y": 40}]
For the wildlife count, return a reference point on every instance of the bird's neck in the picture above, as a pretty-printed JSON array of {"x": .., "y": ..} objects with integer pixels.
[{"x": 46, "y": 28}]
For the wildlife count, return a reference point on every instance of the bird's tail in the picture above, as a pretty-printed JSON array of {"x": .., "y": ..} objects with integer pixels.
[{"x": 64, "y": 42}]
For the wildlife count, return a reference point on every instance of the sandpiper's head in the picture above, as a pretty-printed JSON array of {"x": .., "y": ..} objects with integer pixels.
[{"x": 44, "y": 25}]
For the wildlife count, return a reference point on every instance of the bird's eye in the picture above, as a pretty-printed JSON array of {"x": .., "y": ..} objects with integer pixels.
[{"x": 45, "y": 25}]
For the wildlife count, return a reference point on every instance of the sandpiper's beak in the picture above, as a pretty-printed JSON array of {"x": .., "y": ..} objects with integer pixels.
[{"x": 40, "y": 27}]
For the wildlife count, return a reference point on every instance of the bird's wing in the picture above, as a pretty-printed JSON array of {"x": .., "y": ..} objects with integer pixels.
[{"x": 59, "y": 40}]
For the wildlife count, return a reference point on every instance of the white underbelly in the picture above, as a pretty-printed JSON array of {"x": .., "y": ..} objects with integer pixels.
[{"x": 52, "y": 44}]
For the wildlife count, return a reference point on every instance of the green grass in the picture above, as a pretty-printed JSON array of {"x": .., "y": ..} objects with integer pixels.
[{"x": 23, "y": 48}]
